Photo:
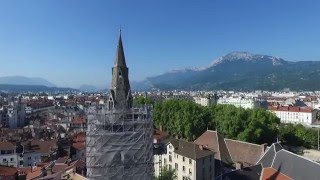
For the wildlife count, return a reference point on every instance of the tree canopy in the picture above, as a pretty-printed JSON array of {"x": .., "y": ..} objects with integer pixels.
[
  {"x": 188, "y": 120},
  {"x": 166, "y": 174}
]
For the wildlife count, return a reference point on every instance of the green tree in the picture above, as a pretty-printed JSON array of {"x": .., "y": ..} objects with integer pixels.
[
  {"x": 141, "y": 100},
  {"x": 167, "y": 174},
  {"x": 298, "y": 135}
]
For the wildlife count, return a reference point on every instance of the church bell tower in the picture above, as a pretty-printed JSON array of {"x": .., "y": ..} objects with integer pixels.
[{"x": 120, "y": 93}]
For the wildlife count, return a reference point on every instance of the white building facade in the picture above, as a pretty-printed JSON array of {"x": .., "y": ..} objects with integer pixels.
[
  {"x": 31, "y": 158},
  {"x": 13, "y": 115},
  {"x": 189, "y": 161},
  {"x": 247, "y": 103},
  {"x": 8, "y": 155},
  {"x": 294, "y": 114},
  {"x": 204, "y": 101}
]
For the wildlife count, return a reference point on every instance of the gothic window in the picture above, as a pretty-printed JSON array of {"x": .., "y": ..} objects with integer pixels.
[{"x": 110, "y": 103}]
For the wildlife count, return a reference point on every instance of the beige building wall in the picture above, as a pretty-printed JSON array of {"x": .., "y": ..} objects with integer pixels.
[{"x": 186, "y": 168}]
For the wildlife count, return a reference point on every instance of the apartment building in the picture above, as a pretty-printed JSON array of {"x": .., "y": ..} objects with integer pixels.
[
  {"x": 247, "y": 103},
  {"x": 189, "y": 160},
  {"x": 8, "y": 155},
  {"x": 294, "y": 114}
]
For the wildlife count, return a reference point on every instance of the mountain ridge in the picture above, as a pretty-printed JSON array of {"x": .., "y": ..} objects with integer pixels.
[
  {"x": 88, "y": 88},
  {"x": 23, "y": 80},
  {"x": 243, "y": 71},
  {"x": 13, "y": 88}
]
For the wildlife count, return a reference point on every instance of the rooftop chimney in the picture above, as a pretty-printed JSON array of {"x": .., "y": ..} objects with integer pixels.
[{"x": 239, "y": 165}]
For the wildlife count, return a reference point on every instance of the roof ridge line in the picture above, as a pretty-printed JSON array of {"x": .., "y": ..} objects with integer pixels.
[
  {"x": 224, "y": 140},
  {"x": 263, "y": 156},
  {"x": 244, "y": 142},
  {"x": 275, "y": 154}
]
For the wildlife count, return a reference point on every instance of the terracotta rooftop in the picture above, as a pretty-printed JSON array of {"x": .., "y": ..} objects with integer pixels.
[
  {"x": 79, "y": 120},
  {"x": 30, "y": 174},
  {"x": 79, "y": 145},
  {"x": 213, "y": 141},
  {"x": 270, "y": 173},
  {"x": 231, "y": 151},
  {"x": 159, "y": 135},
  {"x": 7, "y": 171},
  {"x": 40, "y": 146},
  {"x": 290, "y": 109},
  {"x": 79, "y": 137},
  {"x": 246, "y": 153},
  {"x": 4, "y": 145}
]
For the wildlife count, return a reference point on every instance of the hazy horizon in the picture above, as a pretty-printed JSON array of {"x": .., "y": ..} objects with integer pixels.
[{"x": 71, "y": 43}]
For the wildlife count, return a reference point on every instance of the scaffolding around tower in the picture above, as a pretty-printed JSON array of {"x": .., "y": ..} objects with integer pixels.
[{"x": 119, "y": 143}]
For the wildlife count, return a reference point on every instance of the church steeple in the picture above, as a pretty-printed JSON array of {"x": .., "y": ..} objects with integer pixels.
[
  {"x": 120, "y": 94},
  {"x": 120, "y": 59}
]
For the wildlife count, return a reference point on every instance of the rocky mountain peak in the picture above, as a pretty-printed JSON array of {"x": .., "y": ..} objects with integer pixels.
[{"x": 246, "y": 56}]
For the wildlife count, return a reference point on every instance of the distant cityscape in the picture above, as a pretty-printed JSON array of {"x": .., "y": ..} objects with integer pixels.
[
  {"x": 167, "y": 113},
  {"x": 47, "y": 131},
  {"x": 70, "y": 134}
]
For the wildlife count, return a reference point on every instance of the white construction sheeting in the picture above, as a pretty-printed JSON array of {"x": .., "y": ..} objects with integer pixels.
[{"x": 119, "y": 144}]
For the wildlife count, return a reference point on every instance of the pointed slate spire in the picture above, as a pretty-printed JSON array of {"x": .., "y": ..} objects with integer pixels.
[
  {"x": 120, "y": 93},
  {"x": 120, "y": 59}
]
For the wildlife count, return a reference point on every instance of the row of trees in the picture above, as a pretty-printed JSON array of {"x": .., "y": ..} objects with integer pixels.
[
  {"x": 188, "y": 120},
  {"x": 298, "y": 135}
]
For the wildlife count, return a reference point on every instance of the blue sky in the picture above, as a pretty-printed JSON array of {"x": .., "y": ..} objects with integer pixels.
[{"x": 73, "y": 42}]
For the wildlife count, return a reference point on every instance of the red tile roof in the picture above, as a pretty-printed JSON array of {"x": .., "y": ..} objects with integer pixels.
[
  {"x": 213, "y": 141},
  {"x": 31, "y": 174},
  {"x": 159, "y": 135},
  {"x": 79, "y": 120},
  {"x": 290, "y": 108},
  {"x": 230, "y": 151},
  {"x": 209, "y": 140},
  {"x": 79, "y": 145},
  {"x": 8, "y": 171},
  {"x": 4, "y": 145},
  {"x": 41, "y": 146},
  {"x": 79, "y": 137},
  {"x": 270, "y": 173},
  {"x": 247, "y": 153}
]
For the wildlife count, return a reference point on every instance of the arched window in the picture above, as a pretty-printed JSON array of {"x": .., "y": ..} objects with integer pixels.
[{"x": 111, "y": 104}]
